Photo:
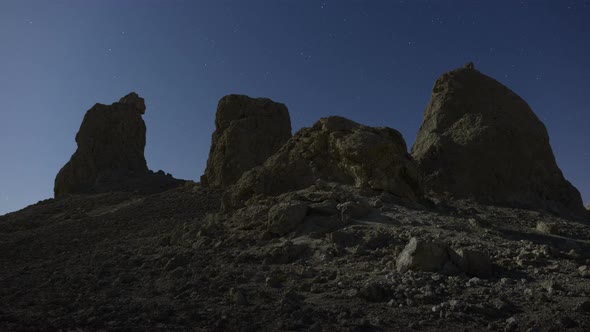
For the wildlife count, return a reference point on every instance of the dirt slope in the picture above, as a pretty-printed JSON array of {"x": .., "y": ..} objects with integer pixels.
[{"x": 156, "y": 262}]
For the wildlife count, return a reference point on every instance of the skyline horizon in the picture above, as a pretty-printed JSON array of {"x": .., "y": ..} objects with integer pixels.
[{"x": 196, "y": 178}]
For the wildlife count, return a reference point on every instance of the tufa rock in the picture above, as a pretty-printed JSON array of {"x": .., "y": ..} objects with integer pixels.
[
  {"x": 479, "y": 140},
  {"x": 111, "y": 140},
  {"x": 338, "y": 150},
  {"x": 588, "y": 207},
  {"x": 247, "y": 132}
]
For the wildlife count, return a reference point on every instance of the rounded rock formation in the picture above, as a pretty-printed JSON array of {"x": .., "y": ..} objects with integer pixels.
[
  {"x": 339, "y": 150},
  {"x": 111, "y": 141},
  {"x": 247, "y": 132},
  {"x": 480, "y": 140}
]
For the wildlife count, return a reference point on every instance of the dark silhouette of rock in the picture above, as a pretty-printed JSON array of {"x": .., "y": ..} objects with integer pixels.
[
  {"x": 339, "y": 150},
  {"x": 111, "y": 143},
  {"x": 480, "y": 140},
  {"x": 247, "y": 132},
  {"x": 134, "y": 100}
]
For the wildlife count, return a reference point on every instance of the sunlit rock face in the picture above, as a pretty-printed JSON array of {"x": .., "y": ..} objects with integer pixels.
[
  {"x": 247, "y": 132},
  {"x": 480, "y": 140},
  {"x": 111, "y": 143},
  {"x": 339, "y": 150}
]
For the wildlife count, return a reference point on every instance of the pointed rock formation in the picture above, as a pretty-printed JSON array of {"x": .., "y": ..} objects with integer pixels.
[
  {"x": 480, "y": 140},
  {"x": 336, "y": 149},
  {"x": 111, "y": 140},
  {"x": 247, "y": 132}
]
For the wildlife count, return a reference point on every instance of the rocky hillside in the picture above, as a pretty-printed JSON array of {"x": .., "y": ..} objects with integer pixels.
[{"x": 335, "y": 228}]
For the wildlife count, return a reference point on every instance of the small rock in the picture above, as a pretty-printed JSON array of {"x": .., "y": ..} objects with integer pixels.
[
  {"x": 238, "y": 296},
  {"x": 177, "y": 273},
  {"x": 550, "y": 286},
  {"x": 506, "y": 281},
  {"x": 374, "y": 292},
  {"x": 567, "y": 322},
  {"x": 511, "y": 324},
  {"x": 273, "y": 282},
  {"x": 423, "y": 255},
  {"x": 583, "y": 306},
  {"x": 376, "y": 202},
  {"x": 316, "y": 327},
  {"x": 127, "y": 278},
  {"x": 475, "y": 281},
  {"x": 176, "y": 261},
  {"x": 284, "y": 218},
  {"x": 547, "y": 228},
  {"x": 475, "y": 263},
  {"x": 353, "y": 210},
  {"x": 344, "y": 239},
  {"x": 528, "y": 292}
]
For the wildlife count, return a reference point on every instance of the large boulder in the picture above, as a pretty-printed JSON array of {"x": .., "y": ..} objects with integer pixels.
[
  {"x": 479, "y": 140},
  {"x": 247, "y": 132},
  {"x": 423, "y": 255},
  {"x": 339, "y": 150},
  {"x": 111, "y": 143}
]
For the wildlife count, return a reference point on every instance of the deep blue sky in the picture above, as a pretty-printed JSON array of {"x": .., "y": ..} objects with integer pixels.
[{"x": 372, "y": 61}]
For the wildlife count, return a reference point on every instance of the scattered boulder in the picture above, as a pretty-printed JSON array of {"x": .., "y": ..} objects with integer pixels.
[
  {"x": 479, "y": 140},
  {"x": 547, "y": 227},
  {"x": 337, "y": 150},
  {"x": 111, "y": 143},
  {"x": 423, "y": 255},
  {"x": 353, "y": 210},
  {"x": 247, "y": 132},
  {"x": 285, "y": 217},
  {"x": 475, "y": 263}
]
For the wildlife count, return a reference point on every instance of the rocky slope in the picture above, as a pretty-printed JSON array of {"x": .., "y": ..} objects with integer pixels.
[{"x": 159, "y": 261}]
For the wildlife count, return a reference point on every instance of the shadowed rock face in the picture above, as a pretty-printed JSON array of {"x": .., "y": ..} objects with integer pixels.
[
  {"x": 110, "y": 141},
  {"x": 336, "y": 149},
  {"x": 480, "y": 140},
  {"x": 247, "y": 132}
]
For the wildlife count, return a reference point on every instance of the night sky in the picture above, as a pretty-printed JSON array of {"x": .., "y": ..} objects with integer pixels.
[{"x": 372, "y": 61}]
